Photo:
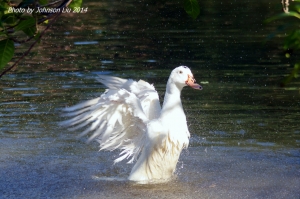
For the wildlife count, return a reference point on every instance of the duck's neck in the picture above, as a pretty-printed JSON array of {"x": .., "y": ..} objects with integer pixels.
[{"x": 172, "y": 102}]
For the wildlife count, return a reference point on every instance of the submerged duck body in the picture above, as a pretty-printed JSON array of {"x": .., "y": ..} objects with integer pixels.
[{"x": 128, "y": 117}]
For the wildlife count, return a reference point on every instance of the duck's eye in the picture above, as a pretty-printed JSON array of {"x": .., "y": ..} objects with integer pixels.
[{"x": 180, "y": 71}]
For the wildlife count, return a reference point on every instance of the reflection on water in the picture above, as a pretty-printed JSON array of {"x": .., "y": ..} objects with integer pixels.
[
  {"x": 115, "y": 35},
  {"x": 245, "y": 129},
  {"x": 85, "y": 42},
  {"x": 241, "y": 140}
]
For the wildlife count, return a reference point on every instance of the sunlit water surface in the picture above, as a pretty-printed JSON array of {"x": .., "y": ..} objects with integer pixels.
[
  {"x": 245, "y": 128},
  {"x": 242, "y": 145}
]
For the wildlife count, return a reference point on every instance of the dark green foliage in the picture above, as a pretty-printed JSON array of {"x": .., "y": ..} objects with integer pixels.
[
  {"x": 6, "y": 51},
  {"x": 14, "y": 19},
  {"x": 75, "y": 4},
  {"x": 291, "y": 27},
  {"x": 192, "y": 8},
  {"x": 25, "y": 23},
  {"x": 26, "y": 3},
  {"x": 10, "y": 19},
  {"x": 43, "y": 2}
]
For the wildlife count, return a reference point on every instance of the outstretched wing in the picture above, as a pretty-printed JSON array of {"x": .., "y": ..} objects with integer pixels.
[
  {"x": 118, "y": 118},
  {"x": 145, "y": 92}
]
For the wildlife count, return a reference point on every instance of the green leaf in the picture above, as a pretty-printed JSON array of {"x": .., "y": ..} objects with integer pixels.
[
  {"x": 2, "y": 9},
  {"x": 3, "y": 6},
  {"x": 26, "y": 3},
  {"x": 283, "y": 15},
  {"x": 192, "y": 8},
  {"x": 75, "y": 4},
  {"x": 9, "y": 18},
  {"x": 43, "y": 2},
  {"x": 25, "y": 24},
  {"x": 7, "y": 50},
  {"x": 30, "y": 31},
  {"x": 1, "y": 27},
  {"x": 294, "y": 74}
]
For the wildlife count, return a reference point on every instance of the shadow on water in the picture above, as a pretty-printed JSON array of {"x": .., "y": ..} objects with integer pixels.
[
  {"x": 245, "y": 129},
  {"x": 115, "y": 35}
]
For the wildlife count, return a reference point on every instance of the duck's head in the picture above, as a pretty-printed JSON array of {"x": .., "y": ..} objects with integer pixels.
[{"x": 182, "y": 76}]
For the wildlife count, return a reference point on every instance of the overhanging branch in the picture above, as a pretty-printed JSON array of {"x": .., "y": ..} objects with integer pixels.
[{"x": 55, "y": 16}]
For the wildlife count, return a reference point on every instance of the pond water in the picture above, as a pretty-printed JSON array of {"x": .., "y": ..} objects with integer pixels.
[{"x": 245, "y": 128}]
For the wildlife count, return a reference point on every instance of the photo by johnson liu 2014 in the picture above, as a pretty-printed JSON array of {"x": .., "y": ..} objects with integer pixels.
[{"x": 47, "y": 10}]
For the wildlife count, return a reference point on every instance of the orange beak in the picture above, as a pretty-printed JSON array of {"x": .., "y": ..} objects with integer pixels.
[{"x": 192, "y": 83}]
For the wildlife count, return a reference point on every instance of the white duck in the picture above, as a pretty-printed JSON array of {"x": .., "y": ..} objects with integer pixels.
[{"x": 128, "y": 116}]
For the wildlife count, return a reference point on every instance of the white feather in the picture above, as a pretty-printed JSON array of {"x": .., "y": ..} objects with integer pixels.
[{"x": 128, "y": 116}]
